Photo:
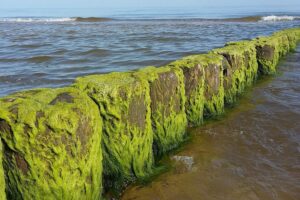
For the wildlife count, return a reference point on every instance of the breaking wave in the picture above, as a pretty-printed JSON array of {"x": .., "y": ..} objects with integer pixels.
[
  {"x": 280, "y": 18},
  {"x": 29, "y": 19},
  {"x": 261, "y": 18},
  {"x": 271, "y": 18}
]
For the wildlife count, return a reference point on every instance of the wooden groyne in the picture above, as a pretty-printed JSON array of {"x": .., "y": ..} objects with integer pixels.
[{"x": 106, "y": 130}]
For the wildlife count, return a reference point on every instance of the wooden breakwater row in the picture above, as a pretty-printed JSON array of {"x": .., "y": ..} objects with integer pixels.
[{"x": 107, "y": 130}]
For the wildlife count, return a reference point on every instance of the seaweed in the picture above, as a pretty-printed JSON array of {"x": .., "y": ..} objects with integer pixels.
[
  {"x": 51, "y": 143},
  {"x": 240, "y": 68},
  {"x": 168, "y": 99},
  {"x": 124, "y": 105}
]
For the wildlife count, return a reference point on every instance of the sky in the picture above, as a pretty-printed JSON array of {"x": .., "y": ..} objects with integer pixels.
[
  {"x": 121, "y": 8},
  {"x": 15, "y": 4}
]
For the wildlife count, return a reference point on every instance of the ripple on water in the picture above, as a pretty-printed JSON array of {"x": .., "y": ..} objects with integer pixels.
[
  {"x": 113, "y": 45},
  {"x": 31, "y": 46},
  {"x": 95, "y": 52},
  {"x": 40, "y": 59}
]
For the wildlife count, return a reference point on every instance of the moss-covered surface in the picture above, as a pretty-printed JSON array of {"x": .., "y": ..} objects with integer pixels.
[
  {"x": 2, "y": 179},
  {"x": 239, "y": 67},
  {"x": 213, "y": 90},
  {"x": 194, "y": 88},
  {"x": 124, "y": 104},
  {"x": 268, "y": 54},
  {"x": 292, "y": 36},
  {"x": 51, "y": 140},
  {"x": 270, "y": 49},
  {"x": 168, "y": 99}
]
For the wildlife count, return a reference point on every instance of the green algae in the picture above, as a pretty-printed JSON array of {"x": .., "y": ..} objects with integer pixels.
[
  {"x": 268, "y": 54},
  {"x": 168, "y": 99},
  {"x": 292, "y": 37},
  {"x": 212, "y": 65},
  {"x": 240, "y": 68},
  {"x": 271, "y": 49},
  {"x": 51, "y": 140},
  {"x": 124, "y": 104},
  {"x": 2, "y": 179},
  {"x": 194, "y": 78}
]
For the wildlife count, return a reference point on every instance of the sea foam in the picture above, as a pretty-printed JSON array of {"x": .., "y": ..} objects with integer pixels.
[
  {"x": 29, "y": 20},
  {"x": 280, "y": 18}
]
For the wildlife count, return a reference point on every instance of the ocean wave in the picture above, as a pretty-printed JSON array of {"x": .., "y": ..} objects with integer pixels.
[
  {"x": 54, "y": 19},
  {"x": 280, "y": 18},
  {"x": 104, "y": 19},
  {"x": 30, "y": 20},
  {"x": 261, "y": 18},
  {"x": 95, "y": 52},
  {"x": 39, "y": 59}
]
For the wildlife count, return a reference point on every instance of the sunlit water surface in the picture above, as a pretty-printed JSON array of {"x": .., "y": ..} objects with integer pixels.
[{"x": 52, "y": 52}]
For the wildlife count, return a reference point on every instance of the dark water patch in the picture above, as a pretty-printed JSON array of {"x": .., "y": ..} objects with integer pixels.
[
  {"x": 11, "y": 60},
  {"x": 95, "y": 52},
  {"x": 31, "y": 46},
  {"x": 71, "y": 32},
  {"x": 40, "y": 59},
  {"x": 243, "y": 19},
  {"x": 92, "y": 19}
]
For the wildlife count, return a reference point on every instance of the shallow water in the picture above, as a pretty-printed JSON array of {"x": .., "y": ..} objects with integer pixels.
[
  {"x": 252, "y": 153},
  {"x": 45, "y": 52}
]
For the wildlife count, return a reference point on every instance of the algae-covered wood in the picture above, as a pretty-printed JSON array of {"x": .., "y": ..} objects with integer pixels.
[
  {"x": 52, "y": 145},
  {"x": 167, "y": 106},
  {"x": 124, "y": 105}
]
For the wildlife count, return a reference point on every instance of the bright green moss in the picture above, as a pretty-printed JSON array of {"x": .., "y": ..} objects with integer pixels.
[
  {"x": 213, "y": 83},
  {"x": 268, "y": 54},
  {"x": 292, "y": 36},
  {"x": 283, "y": 43},
  {"x": 124, "y": 104},
  {"x": 167, "y": 106},
  {"x": 287, "y": 39},
  {"x": 52, "y": 146},
  {"x": 271, "y": 49},
  {"x": 194, "y": 88},
  {"x": 2, "y": 179},
  {"x": 239, "y": 67}
]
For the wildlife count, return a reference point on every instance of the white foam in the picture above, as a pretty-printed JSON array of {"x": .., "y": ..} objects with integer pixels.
[
  {"x": 279, "y": 18},
  {"x": 186, "y": 160},
  {"x": 30, "y": 20}
]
